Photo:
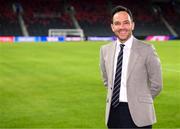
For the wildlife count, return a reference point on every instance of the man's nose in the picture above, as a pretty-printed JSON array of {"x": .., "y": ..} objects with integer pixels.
[{"x": 121, "y": 26}]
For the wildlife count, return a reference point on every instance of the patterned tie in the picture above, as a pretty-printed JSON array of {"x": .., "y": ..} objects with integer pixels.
[{"x": 117, "y": 81}]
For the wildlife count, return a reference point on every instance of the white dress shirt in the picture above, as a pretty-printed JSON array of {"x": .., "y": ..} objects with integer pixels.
[{"x": 126, "y": 54}]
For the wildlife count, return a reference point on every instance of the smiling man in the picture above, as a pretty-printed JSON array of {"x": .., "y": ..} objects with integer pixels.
[{"x": 131, "y": 71}]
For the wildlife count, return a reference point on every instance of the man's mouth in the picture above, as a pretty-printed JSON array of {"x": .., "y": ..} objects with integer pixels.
[{"x": 123, "y": 32}]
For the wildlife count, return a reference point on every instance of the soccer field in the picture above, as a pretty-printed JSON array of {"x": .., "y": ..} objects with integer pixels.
[{"x": 58, "y": 85}]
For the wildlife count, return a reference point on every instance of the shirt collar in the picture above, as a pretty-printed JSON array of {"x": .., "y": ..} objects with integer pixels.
[{"x": 128, "y": 43}]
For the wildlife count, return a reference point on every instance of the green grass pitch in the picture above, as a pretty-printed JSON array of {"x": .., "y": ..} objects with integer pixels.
[{"x": 58, "y": 85}]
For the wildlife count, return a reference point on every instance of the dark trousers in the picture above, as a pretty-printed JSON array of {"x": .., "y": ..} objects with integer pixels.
[{"x": 120, "y": 118}]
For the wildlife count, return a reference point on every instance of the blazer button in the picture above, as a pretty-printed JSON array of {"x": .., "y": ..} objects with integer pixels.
[
  {"x": 111, "y": 88},
  {"x": 107, "y": 100}
]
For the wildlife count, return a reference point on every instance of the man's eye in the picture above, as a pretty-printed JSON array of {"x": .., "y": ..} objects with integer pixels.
[
  {"x": 117, "y": 23},
  {"x": 126, "y": 23}
]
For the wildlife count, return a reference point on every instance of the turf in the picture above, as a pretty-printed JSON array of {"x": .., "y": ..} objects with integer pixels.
[{"x": 58, "y": 85}]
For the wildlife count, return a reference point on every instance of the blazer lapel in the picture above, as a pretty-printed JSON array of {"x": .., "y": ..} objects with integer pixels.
[
  {"x": 133, "y": 57},
  {"x": 112, "y": 56}
]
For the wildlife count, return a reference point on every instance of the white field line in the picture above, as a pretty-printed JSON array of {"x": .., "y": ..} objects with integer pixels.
[{"x": 172, "y": 70}]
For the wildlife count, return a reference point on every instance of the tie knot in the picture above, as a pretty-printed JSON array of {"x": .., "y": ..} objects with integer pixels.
[{"x": 122, "y": 45}]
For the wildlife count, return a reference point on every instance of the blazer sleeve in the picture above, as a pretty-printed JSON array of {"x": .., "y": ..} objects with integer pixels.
[
  {"x": 154, "y": 72},
  {"x": 103, "y": 68}
]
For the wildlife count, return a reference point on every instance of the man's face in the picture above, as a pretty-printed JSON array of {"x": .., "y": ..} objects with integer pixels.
[{"x": 122, "y": 25}]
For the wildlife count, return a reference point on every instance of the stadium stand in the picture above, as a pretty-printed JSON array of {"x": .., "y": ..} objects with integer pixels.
[
  {"x": 43, "y": 15},
  {"x": 8, "y": 21},
  {"x": 92, "y": 17},
  {"x": 171, "y": 13}
]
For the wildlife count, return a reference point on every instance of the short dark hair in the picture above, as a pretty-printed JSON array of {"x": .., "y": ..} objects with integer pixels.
[{"x": 120, "y": 8}]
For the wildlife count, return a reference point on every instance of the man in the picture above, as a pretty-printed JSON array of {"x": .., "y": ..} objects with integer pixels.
[{"x": 131, "y": 72}]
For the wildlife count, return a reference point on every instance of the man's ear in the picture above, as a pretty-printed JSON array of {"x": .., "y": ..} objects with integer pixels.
[
  {"x": 112, "y": 28},
  {"x": 133, "y": 25}
]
